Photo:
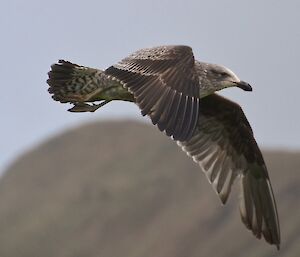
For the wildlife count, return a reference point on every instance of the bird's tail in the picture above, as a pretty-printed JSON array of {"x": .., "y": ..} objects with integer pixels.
[{"x": 69, "y": 82}]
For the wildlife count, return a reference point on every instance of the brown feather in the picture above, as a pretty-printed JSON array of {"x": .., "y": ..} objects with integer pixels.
[
  {"x": 224, "y": 146},
  {"x": 172, "y": 70}
]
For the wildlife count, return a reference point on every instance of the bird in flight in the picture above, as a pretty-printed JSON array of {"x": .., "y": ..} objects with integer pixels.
[{"x": 177, "y": 92}]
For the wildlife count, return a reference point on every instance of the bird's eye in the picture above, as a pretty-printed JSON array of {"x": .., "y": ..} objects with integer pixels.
[{"x": 224, "y": 74}]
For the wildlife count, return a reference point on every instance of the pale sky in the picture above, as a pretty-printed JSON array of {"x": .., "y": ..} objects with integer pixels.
[{"x": 258, "y": 40}]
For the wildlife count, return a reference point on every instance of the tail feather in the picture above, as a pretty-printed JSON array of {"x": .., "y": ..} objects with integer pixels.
[{"x": 69, "y": 82}]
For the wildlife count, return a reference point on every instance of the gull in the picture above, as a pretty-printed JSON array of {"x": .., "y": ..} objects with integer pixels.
[{"x": 178, "y": 94}]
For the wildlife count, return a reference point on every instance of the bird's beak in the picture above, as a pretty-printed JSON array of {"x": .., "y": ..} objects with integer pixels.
[{"x": 244, "y": 85}]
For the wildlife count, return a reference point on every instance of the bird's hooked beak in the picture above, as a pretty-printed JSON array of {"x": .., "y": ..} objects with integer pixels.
[{"x": 244, "y": 85}]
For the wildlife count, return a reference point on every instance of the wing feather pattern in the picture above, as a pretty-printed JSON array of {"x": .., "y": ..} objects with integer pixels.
[
  {"x": 164, "y": 83},
  {"x": 224, "y": 146}
]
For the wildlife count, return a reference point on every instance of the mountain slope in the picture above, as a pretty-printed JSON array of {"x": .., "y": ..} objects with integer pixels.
[{"x": 124, "y": 189}]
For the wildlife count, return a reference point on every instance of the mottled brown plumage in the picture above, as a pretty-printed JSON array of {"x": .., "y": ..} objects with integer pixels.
[
  {"x": 165, "y": 86},
  {"x": 178, "y": 94},
  {"x": 224, "y": 146}
]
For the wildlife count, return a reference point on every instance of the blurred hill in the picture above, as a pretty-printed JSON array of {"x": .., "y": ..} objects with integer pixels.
[{"x": 124, "y": 189}]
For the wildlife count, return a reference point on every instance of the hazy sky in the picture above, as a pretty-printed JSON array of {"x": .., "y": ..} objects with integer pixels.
[{"x": 258, "y": 40}]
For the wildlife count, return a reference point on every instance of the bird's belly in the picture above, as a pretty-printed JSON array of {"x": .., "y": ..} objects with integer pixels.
[{"x": 116, "y": 92}]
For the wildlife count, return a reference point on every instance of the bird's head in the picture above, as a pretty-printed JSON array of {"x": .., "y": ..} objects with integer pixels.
[{"x": 215, "y": 77}]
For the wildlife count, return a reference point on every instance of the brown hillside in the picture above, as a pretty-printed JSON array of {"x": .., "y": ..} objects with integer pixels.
[{"x": 124, "y": 189}]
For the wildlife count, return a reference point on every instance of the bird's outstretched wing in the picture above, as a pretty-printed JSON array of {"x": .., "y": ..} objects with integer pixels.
[
  {"x": 224, "y": 147},
  {"x": 165, "y": 86}
]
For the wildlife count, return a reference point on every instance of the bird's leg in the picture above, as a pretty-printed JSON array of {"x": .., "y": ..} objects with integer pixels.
[{"x": 84, "y": 107}]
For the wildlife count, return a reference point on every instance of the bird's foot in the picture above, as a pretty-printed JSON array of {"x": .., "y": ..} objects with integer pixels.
[{"x": 84, "y": 107}]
